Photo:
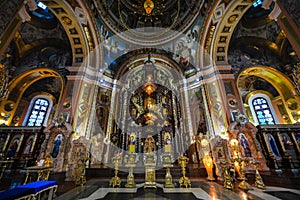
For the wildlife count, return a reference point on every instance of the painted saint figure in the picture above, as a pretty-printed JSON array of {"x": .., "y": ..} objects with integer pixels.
[
  {"x": 273, "y": 146},
  {"x": 56, "y": 146},
  {"x": 288, "y": 145},
  {"x": 245, "y": 145},
  {"x": 27, "y": 148},
  {"x": 13, "y": 148},
  {"x": 220, "y": 153}
]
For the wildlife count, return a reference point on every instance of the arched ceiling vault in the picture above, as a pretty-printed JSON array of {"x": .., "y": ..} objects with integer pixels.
[
  {"x": 20, "y": 83},
  {"x": 282, "y": 84},
  {"x": 260, "y": 44},
  {"x": 139, "y": 60},
  {"x": 228, "y": 20},
  {"x": 68, "y": 19},
  {"x": 131, "y": 21}
]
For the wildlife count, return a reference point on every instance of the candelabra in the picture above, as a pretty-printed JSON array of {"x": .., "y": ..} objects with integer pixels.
[
  {"x": 243, "y": 184},
  {"x": 184, "y": 181},
  {"x": 3, "y": 82},
  {"x": 258, "y": 180},
  {"x": 227, "y": 178},
  {"x": 116, "y": 181},
  {"x": 240, "y": 165}
]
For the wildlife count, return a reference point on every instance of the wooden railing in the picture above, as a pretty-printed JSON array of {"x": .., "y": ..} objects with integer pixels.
[
  {"x": 21, "y": 145},
  {"x": 281, "y": 146}
]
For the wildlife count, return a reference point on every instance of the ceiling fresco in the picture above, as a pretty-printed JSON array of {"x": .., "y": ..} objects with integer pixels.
[
  {"x": 261, "y": 43},
  {"x": 134, "y": 24},
  {"x": 42, "y": 42},
  {"x": 45, "y": 41}
]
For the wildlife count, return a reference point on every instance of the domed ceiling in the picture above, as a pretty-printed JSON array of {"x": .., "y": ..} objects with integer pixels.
[
  {"x": 259, "y": 41},
  {"x": 148, "y": 21}
]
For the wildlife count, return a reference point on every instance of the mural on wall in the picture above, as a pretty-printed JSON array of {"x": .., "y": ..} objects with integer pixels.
[
  {"x": 102, "y": 108},
  {"x": 272, "y": 146},
  {"x": 183, "y": 50},
  {"x": 83, "y": 109},
  {"x": 198, "y": 111},
  {"x": 100, "y": 122}
]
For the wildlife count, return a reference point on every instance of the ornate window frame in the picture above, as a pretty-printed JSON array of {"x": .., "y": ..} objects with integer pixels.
[
  {"x": 253, "y": 111},
  {"x": 31, "y": 106}
]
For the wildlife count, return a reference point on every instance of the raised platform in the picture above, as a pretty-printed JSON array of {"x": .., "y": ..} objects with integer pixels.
[
  {"x": 201, "y": 189},
  {"x": 105, "y": 172}
]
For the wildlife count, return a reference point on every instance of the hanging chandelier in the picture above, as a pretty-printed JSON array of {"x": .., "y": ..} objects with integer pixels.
[
  {"x": 3, "y": 82},
  {"x": 148, "y": 6}
]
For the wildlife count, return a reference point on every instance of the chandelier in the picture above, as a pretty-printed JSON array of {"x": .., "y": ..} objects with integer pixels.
[
  {"x": 3, "y": 82},
  {"x": 148, "y": 6}
]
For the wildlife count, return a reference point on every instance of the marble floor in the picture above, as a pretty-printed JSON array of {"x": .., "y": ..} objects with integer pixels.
[{"x": 201, "y": 189}]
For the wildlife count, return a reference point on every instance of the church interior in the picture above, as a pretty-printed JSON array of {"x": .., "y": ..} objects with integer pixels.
[{"x": 149, "y": 99}]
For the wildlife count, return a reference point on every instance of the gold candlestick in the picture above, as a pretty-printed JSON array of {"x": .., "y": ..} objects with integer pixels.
[
  {"x": 258, "y": 180},
  {"x": 227, "y": 179},
  {"x": 184, "y": 181},
  {"x": 243, "y": 185},
  {"x": 116, "y": 181}
]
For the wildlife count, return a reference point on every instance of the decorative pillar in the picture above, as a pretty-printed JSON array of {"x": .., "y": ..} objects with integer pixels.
[
  {"x": 110, "y": 122},
  {"x": 224, "y": 100}
]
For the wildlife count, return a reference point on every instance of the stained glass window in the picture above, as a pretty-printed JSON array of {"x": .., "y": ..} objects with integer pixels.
[
  {"x": 263, "y": 111},
  {"x": 38, "y": 112},
  {"x": 257, "y": 3}
]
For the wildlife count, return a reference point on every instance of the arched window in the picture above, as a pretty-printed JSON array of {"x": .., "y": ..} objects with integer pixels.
[
  {"x": 38, "y": 112},
  {"x": 262, "y": 110}
]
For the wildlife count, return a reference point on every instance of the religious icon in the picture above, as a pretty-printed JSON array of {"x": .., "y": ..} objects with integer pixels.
[
  {"x": 220, "y": 152},
  {"x": 150, "y": 145},
  {"x": 288, "y": 145},
  {"x": 13, "y": 147},
  {"x": 245, "y": 145},
  {"x": 56, "y": 146},
  {"x": 28, "y": 146},
  {"x": 132, "y": 142},
  {"x": 167, "y": 140},
  {"x": 272, "y": 146},
  {"x": 132, "y": 139}
]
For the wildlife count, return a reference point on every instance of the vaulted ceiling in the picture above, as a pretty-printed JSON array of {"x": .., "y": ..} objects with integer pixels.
[{"x": 44, "y": 42}]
